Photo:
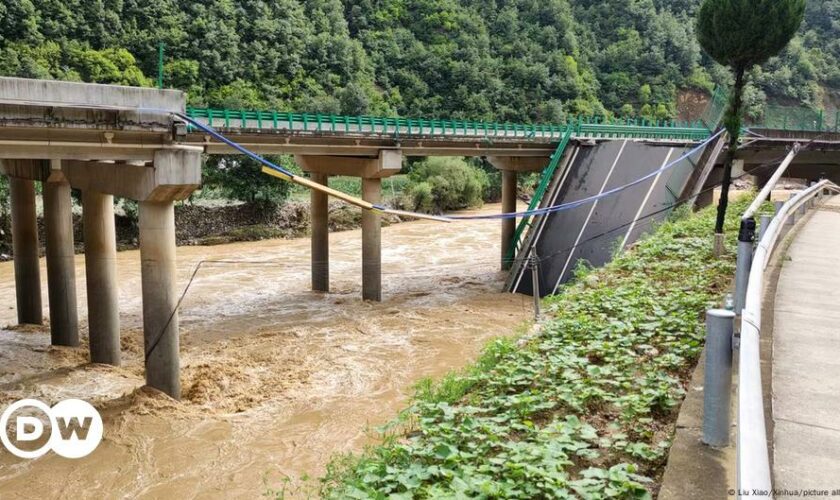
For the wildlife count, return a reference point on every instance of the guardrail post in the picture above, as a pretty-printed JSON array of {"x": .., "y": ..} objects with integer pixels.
[
  {"x": 535, "y": 283},
  {"x": 746, "y": 237},
  {"x": 763, "y": 224},
  {"x": 717, "y": 389},
  {"x": 791, "y": 220},
  {"x": 800, "y": 212}
]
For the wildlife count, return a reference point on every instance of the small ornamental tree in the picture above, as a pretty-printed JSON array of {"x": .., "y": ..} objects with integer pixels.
[{"x": 741, "y": 34}]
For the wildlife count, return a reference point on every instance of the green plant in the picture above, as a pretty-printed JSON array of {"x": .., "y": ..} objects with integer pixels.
[
  {"x": 443, "y": 183},
  {"x": 583, "y": 410},
  {"x": 741, "y": 34}
]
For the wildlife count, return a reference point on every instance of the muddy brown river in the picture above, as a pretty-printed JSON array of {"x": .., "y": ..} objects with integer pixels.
[{"x": 276, "y": 379}]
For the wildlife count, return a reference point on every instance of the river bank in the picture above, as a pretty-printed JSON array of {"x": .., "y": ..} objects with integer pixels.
[
  {"x": 214, "y": 224},
  {"x": 585, "y": 408}
]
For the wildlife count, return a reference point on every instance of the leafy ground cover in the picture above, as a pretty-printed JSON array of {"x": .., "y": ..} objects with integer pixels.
[{"x": 585, "y": 409}]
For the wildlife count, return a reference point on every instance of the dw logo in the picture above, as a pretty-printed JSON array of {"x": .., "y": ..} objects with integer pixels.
[{"x": 75, "y": 428}]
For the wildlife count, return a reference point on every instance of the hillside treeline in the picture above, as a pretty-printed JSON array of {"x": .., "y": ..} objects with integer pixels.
[{"x": 517, "y": 60}]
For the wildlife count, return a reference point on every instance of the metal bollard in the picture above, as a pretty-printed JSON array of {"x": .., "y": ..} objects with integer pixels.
[
  {"x": 535, "y": 284},
  {"x": 746, "y": 237},
  {"x": 764, "y": 223},
  {"x": 717, "y": 389}
]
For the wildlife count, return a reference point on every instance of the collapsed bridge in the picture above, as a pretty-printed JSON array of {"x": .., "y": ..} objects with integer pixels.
[{"x": 145, "y": 145}]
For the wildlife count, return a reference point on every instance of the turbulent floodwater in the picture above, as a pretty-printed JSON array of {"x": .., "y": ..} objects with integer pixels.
[{"x": 275, "y": 378}]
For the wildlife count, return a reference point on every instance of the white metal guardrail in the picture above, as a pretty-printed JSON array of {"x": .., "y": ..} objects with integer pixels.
[{"x": 753, "y": 463}]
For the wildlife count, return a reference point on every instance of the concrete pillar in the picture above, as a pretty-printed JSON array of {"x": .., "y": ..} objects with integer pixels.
[
  {"x": 320, "y": 236},
  {"x": 25, "y": 248},
  {"x": 101, "y": 274},
  {"x": 61, "y": 263},
  {"x": 508, "y": 205},
  {"x": 160, "y": 316},
  {"x": 371, "y": 242}
]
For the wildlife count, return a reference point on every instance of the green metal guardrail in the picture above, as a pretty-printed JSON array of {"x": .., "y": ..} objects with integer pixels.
[
  {"x": 798, "y": 119},
  {"x": 775, "y": 117},
  {"x": 716, "y": 108},
  {"x": 545, "y": 180},
  {"x": 583, "y": 126}
]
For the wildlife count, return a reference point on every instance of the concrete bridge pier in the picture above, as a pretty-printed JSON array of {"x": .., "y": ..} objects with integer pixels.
[
  {"x": 510, "y": 166},
  {"x": 25, "y": 249},
  {"x": 371, "y": 242},
  {"x": 61, "y": 259},
  {"x": 101, "y": 274},
  {"x": 319, "y": 215},
  {"x": 371, "y": 170},
  {"x": 508, "y": 225},
  {"x": 160, "y": 315}
]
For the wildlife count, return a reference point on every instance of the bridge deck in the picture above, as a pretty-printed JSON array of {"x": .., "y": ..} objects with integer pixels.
[{"x": 806, "y": 358}]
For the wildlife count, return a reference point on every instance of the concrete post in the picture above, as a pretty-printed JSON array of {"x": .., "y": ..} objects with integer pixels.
[
  {"x": 371, "y": 243},
  {"x": 717, "y": 388},
  {"x": 101, "y": 274},
  {"x": 61, "y": 263},
  {"x": 764, "y": 224},
  {"x": 746, "y": 237},
  {"x": 320, "y": 236},
  {"x": 508, "y": 206},
  {"x": 792, "y": 216},
  {"x": 25, "y": 249},
  {"x": 535, "y": 283},
  {"x": 160, "y": 316},
  {"x": 801, "y": 211}
]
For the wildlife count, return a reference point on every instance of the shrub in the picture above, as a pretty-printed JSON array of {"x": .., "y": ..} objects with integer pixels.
[{"x": 441, "y": 184}]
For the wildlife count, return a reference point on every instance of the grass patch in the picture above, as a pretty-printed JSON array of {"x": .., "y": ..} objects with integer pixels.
[{"x": 584, "y": 410}]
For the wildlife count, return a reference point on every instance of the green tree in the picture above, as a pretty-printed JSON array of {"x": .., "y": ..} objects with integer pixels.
[{"x": 741, "y": 34}]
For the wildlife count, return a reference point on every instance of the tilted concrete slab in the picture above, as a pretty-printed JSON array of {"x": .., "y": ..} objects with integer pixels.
[{"x": 806, "y": 358}]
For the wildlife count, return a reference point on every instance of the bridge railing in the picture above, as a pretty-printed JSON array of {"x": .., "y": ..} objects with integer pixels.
[
  {"x": 585, "y": 127},
  {"x": 799, "y": 119},
  {"x": 753, "y": 462}
]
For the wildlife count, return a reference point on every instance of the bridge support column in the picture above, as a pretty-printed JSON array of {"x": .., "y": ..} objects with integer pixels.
[
  {"x": 25, "y": 248},
  {"x": 101, "y": 274},
  {"x": 160, "y": 316},
  {"x": 320, "y": 236},
  {"x": 371, "y": 170},
  {"x": 371, "y": 242},
  {"x": 61, "y": 261},
  {"x": 508, "y": 225},
  {"x": 510, "y": 166}
]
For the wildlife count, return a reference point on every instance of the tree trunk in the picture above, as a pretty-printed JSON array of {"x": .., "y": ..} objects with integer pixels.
[{"x": 733, "y": 126}]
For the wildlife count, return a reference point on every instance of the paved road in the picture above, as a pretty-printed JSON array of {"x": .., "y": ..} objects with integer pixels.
[{"x": 806, "y": 358}]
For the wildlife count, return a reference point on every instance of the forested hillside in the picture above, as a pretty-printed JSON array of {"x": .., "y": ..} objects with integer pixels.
[{"x": 523, "y": 60}]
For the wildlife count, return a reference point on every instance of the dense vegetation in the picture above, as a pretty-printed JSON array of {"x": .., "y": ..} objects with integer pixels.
[
  {"x": 506, "y": 59},
  {"x": 584, "y": 410},
  {"x": 442, "y": 184},
  {"x": 517, "y": 60}
]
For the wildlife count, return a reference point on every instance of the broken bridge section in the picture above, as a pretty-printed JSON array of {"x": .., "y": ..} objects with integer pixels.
[{"x": 593, "y": 232}]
